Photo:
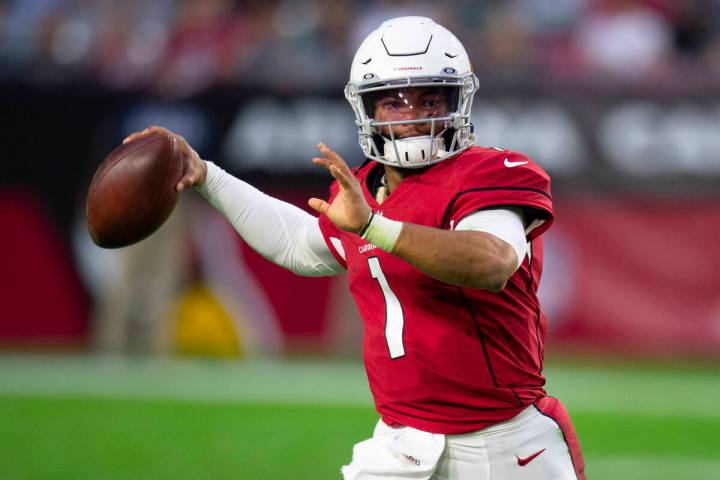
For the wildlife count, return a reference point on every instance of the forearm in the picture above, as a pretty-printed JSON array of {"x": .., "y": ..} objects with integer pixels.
[
  {"x": 464, "y": 258},
  {"x": 279, "y": 231}
]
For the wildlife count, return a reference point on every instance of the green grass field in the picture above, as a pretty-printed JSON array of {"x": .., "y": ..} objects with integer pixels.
[{"x": 80, "y": 417}]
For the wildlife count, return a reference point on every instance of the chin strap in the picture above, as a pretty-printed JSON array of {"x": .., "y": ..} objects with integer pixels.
[{"x": 414, "y": 152}]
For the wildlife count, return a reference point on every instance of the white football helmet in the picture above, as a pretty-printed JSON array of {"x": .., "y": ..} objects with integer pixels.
[{"x": 404, "y": 53}]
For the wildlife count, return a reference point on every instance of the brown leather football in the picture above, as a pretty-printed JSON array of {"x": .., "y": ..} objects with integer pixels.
[{"x": 133, "y": 190}]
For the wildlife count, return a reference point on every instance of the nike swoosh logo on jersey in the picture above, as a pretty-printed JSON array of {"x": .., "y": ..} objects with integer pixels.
[
  {"x": 524, "y": 461},
  {"x": 510, "y": 164}
]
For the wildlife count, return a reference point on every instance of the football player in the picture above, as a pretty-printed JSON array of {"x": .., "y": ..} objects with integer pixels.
[{"x": 441, "y": 241}]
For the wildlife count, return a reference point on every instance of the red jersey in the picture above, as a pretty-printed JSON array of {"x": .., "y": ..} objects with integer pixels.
[{"x": 443, "y": 358}]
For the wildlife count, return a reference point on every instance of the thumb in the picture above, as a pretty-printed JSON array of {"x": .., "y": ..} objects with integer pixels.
[
  {"x": 320, "y": 206},
  {"x": 185, "y": 182}
]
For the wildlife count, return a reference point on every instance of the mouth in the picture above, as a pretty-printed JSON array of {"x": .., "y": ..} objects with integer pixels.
[{"x": 412, "y": 131}]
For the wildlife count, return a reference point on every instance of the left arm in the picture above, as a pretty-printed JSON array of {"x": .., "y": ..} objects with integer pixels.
[
  {"x": 465, "y": 258},
  {"x": 468, "y": 259}
]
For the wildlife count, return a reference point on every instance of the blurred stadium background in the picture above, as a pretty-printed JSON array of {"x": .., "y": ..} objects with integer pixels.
[{"x": 189, "y": 356}]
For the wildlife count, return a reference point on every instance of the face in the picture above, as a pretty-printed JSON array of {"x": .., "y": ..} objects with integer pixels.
[{"x": 411, "y": 104}]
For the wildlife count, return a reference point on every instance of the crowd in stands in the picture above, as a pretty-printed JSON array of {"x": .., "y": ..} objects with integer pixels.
[{"x": 183, "y": 47}]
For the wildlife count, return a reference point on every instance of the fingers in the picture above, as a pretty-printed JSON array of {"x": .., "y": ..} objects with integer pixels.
[
  {"x": 132, "y": 137},
  {"x": 329, "y": 153},
  {"x": 148, "y": 131},
  {"x": 195, "y": 168},
  {"x": 137, "y": 135},
  {"x": 322, "y": 162},
  {"x": 345, "y": 179},
  {"x": 344, "y": 176},
  {"x": 320, "y": 206},
  {"x": 333, "y": 157}
]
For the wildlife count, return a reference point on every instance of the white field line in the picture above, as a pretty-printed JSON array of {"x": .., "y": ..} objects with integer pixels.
[
  {"x": 684, "y": 394},
  {"x": 654, "y": 392},
  {"x": 263, "y": 381},
  {"x": 651, "y": 468}
]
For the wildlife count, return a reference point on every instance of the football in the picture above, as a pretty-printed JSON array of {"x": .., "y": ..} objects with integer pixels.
[{"x": 133, "y": 190}]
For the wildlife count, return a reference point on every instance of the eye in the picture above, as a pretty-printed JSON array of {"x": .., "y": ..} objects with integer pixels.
[
  {"x": 432, "y": 102},
  {"x": 391, "y": 104}
]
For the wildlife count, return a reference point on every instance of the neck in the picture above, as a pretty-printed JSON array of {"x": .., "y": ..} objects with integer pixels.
[{"x": 395, "y": 175}]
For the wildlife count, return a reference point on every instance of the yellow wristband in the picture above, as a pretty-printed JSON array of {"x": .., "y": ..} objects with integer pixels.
[{"x": 382, "y": 232}]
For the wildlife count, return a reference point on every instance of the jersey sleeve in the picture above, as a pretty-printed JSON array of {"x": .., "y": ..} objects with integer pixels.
[
  {"x": 511, "y": 180},
  {"x": 331, "y": 234}
]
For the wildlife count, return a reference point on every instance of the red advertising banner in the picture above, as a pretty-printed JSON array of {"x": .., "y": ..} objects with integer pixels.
[
  {"x": 41, "y": 295},
  {"x": 634, "y": 273}
]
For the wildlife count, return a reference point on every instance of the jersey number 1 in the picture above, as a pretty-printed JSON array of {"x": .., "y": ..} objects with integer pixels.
[{"x": 394, "y": 319}]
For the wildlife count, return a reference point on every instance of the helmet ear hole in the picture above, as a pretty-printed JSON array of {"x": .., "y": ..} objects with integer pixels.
[
  {"x": 448, "y": 136},
  {"x": 379, "y": 143}
]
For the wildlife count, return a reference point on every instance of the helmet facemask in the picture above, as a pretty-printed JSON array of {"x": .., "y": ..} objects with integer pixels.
[{"x": 446, "y": 130}]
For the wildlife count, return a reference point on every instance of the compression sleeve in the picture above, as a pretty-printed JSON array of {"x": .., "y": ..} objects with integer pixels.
[
  {"x": 504, "y": 223},
  {"x": 279, "y": 231}
]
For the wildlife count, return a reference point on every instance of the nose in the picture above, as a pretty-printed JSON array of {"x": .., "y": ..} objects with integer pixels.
[
  {"x": 400, "y": 111},
  {"x": 408, "y": 112}
]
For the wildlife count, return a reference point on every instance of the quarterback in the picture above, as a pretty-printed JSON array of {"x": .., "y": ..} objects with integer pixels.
[{"x": 441, "y": 242}]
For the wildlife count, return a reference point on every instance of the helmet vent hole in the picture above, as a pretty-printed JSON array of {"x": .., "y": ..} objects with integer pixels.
[
  {"x": 367, "y": 61},
  {"x": 451, "y": 55}
]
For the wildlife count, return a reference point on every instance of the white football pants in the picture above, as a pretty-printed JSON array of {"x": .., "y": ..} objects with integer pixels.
[{"x": 529, "y": 446}]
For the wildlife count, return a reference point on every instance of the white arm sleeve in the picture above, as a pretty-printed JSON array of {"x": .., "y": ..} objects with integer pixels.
[
  {"x": 279, "y": 231},
  {"x": 504, "y": 223}
]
